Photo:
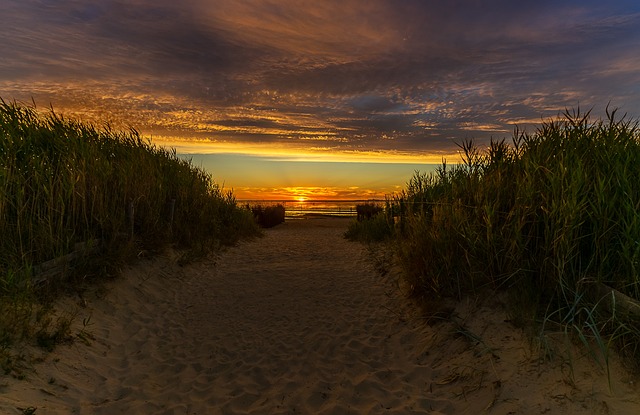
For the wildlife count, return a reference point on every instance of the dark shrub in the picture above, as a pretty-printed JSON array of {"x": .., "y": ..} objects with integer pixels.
[
  {"x": 367, "y": 210},
  {"x": 376, "y": 229},
  {"x": 268, "y": 216}
]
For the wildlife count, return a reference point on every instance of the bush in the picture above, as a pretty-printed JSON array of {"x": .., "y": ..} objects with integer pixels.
[
  {"x": 268, "y": 216},
  {"x": 367, "y": 210},
  {"x": 375, "y": 229}
]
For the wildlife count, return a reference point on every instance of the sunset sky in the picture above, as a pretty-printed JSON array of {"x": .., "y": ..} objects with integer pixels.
[{"x": 322, "y": 99}]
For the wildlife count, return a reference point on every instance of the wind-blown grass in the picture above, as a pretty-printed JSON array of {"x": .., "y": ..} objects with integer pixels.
[
  {"x": 63, "y": 182},
  {"x": 555, "y": 216}
]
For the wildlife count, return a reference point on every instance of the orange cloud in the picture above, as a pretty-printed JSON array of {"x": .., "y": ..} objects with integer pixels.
[{"x": 292, "y": 152}]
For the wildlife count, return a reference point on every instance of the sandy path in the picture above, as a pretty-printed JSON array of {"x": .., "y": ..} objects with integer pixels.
[{"x": 296, "y": 322}]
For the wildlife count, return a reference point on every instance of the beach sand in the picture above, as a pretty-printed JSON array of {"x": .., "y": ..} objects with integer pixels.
[{"x": 300, "y": 322}]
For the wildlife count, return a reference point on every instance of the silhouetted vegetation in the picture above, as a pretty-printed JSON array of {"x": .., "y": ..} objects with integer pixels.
[
  {"x": 376, "y": 228},
  {"x": 367, "y": 210},
  {"x": 268, "y": 216}
]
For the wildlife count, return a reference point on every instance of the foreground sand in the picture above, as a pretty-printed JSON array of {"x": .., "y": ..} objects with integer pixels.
[{"x": 298, "y": 322}]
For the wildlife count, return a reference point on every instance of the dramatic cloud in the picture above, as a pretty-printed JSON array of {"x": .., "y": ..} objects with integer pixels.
[{"x": 410, "y": 77}]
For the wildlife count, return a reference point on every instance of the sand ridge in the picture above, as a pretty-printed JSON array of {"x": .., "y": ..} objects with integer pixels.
[{"x": 299, "y": 322}]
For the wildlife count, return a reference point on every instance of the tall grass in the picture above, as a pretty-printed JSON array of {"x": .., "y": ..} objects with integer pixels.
[
  {"x": 552, "y": 216},
  {"x": 64, "y": 182}
]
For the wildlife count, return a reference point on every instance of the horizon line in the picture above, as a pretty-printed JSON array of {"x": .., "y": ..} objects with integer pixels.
[{"x": 312, "y": 200}]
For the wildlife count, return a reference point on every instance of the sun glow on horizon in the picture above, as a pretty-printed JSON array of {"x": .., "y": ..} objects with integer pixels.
[
  {"x": 283, "y": 172},
  {"x": 252, "y": 177},
  {"x": 312, "y": 194}
]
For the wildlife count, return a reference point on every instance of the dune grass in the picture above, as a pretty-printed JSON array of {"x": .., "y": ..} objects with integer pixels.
[
  {"x": 553, "y": 217},
  {"x": 63, "y": 182}
]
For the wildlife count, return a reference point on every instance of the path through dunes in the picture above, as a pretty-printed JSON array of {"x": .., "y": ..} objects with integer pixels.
[{"x": 296, "y": 322}]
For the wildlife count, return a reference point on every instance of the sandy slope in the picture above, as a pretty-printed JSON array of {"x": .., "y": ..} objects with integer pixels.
[{"x": 299, "y": 322}]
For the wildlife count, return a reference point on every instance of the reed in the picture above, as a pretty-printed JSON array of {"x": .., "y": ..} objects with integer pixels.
[
  {"x": 549, "y": 216},
  {"x": 64, "y": 182}
]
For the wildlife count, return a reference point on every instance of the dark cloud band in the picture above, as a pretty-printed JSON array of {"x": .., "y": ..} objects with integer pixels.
[{"x": 408, "y": 76}]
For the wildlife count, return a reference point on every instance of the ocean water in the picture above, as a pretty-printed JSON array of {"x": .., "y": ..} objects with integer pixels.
[{"x": 296, "y": 210}]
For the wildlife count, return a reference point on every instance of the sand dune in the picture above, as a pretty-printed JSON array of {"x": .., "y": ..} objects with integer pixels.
[{"x": 299, "y": 322}]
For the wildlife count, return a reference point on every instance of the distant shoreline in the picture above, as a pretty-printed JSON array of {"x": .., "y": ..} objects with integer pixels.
[
  {"x": 309, "y": 200},
  {"x": 324, "y": 208}
]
